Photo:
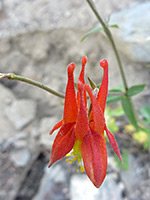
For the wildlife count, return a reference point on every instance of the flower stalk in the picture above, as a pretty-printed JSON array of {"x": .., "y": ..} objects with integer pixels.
[
  {"x": 12, "y": 76},
  {"x": 109, "y": 35}
]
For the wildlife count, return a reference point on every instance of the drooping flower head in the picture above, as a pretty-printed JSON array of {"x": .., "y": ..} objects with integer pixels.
[{"x": 83, "y": 132}]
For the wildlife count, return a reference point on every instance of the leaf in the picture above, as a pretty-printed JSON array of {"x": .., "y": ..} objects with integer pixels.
[
  {"x": 135, "y": 89},
  {"x": 92, "y": 84},
  {"x": 97, "y": 29},
  {"x": 127, "y": 107},
  {"x": 111, "y": 99},
  {"x": 114, "y": 26},
  {"x": 145, "y": 111}
]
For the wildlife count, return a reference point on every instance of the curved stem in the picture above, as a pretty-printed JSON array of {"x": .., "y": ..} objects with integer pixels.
[
  {"x": 12, "y": 76},
  {"x": 109, "y": 35}
]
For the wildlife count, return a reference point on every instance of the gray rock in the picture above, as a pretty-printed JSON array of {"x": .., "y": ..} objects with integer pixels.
[
  {"x": 21, "y": 113},
  {"x": 53, "y": 184},
  {"x": 6, "y": 97},
  {"x": 133, "y": 176},
  {"x": 4, "y": 46},
  {"x": 37, "y": 50},
  {"x": 6, "y": 127},
  {"x": 20, "y": 144},
  {"x": 20, "y": 158},
  {"x": 81, "y": 188},
  {"x": 13, "y": 62},
  {"x": 18, "y": 140},
  {"x": 46, "y": 125},
  {"x": 132, "y": 37},
  {"x": 25, "y": 16},
  {"x": 110, "y": 184}
]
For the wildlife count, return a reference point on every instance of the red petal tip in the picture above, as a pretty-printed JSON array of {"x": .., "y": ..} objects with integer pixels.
[
  {"x": 84, "y": 60},
  {"x": 71, "y": 67},
  {"x": 103, "y": 63}
]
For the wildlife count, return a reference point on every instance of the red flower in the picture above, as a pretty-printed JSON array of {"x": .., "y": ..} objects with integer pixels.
[{"x": 80, "y": 133}]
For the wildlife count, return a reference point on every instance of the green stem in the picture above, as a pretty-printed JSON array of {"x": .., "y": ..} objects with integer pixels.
[
  {"x": 12, "y": 76},
  {"x": 109, "y": 35}
]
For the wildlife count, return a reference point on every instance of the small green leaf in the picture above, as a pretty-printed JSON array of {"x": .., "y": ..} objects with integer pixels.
[
  {"x": 92, "y": 84},
  {"x": 114, "y": 26},
  {"x": 97, "y": 29},
  {"x": 114, "y": 98},
  {"x": 145, "y": 111},
  {"x": 135, "y": 89},
  {"x": 127, "y": 107}
]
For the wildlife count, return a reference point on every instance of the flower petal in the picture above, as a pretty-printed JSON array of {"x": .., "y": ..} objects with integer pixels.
[
  {"x": 102, "y": 94},
  {"x": 97, "y": 114},
  {"x": 82, "y": 123},
  {"x": 94, "y": 154},
  {"x": 81, "y": 78},
  {"x": 113, "y": 143},
  {"x": 57, "y": 126},
  {"x": 70, "y": 107},
  {"x": 63, "y": 142}
]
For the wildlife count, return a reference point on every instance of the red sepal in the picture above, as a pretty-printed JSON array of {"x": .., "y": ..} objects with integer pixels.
[
  {"x": 70, "y": 107},
  {"x": 113, "y": 143},
  {"x": 82, "y": 123},
  {"x": 57, "y": 126},
  {"x": 63, "y": 142},
  {"x": 97, "y": 116},
  {"x": 102, "y": 94},
  {"x": 94, "y": 154}
]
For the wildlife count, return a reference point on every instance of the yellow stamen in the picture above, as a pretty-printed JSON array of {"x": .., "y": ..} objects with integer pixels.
[
  {"x": 68, "y": 155},
  {"x": 82, "y": 169},
  {"x": 76, "y": 154}
]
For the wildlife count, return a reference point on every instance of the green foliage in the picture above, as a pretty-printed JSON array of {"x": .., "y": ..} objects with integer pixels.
[
  {"x": 135, "y": 89},
  {"x": 142, "y": 136},
  {"x": 119, "y": 95},
  {"x": 112, "y": 99},
  {"x": 97, "y": 29},
  {"x": 117, "y": 112},
  {"x": 145, "y": 112},
  {"x": 110, "y": 118},
  {"x": 127, "y": 107},
  {"x": 125, "y": 165}
]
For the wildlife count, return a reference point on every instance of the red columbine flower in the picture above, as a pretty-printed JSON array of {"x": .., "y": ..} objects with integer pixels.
[{"x": 80, "y": 133}]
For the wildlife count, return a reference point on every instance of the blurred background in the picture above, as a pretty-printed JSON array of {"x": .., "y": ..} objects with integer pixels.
[{"x": 38, "y": 39}]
